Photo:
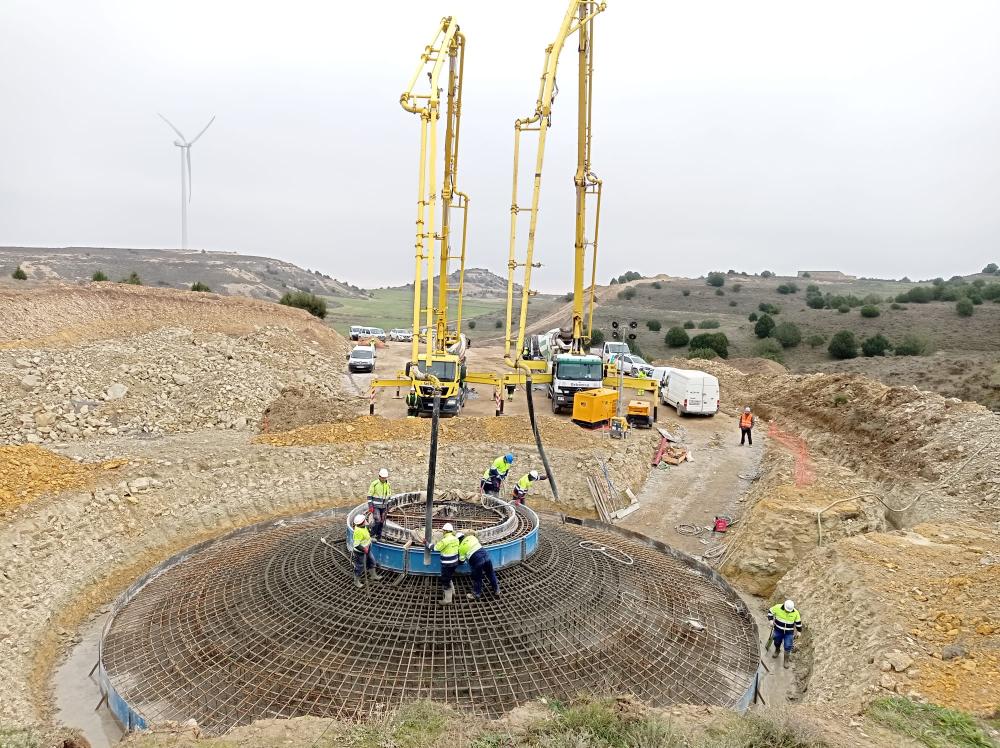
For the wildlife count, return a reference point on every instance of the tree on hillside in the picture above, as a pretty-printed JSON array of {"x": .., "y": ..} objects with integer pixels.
[
  {"x": 764, "y": 327},
  {"x": 991, "y": 269},
  {"x": 715, "y": 278},
  {"x": 766, "y": 274},
  {"x": 199, "y": 286},
  {"x": 843, "y": 345},
  {"x": 19, "y": 274},
  {"x": 676, "y": 337},
  {"x": 98, "y": 276},
  {"x": 965, "y": 308},
  {"x": 717, "y": 341},
  {"x": 596, "y": 338},
  {"x": 653, "y": 325},
  {"x": 310, "y": 302},
  {"x": 788, "y": 334},
  {"x": 877, "y": 345}
]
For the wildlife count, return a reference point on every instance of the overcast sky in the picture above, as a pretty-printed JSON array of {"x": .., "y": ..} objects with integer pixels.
[{"x": 863, "y": 136}]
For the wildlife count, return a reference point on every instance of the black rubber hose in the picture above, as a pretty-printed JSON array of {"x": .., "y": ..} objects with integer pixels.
[
  {"x": 431, "y": 465},
  {"x": 528, "y": 387}
]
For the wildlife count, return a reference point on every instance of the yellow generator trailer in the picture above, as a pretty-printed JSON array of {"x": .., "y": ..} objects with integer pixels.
[{"x": 595, "y": 407}]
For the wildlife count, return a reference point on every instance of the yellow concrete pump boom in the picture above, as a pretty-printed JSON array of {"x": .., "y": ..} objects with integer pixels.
[
  {"x": 579, "y": 19},
  {"x": 448, "y": 45}
]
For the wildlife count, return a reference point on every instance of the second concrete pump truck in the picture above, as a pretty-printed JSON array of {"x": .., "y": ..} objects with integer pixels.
[{"x": 561, "y": 357}]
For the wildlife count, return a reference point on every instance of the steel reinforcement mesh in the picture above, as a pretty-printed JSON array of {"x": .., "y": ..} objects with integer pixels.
[{"x": 269, "y": 625}]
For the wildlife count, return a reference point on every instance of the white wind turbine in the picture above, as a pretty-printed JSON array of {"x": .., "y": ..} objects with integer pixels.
[{"x": 185, "y": 145}]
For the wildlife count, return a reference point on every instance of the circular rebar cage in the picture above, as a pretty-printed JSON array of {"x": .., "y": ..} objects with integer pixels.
[{"x": 266, "y": 623}]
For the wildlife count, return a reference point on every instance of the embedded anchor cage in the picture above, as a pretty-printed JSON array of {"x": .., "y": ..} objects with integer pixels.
[{"x": 509, "y": 533}]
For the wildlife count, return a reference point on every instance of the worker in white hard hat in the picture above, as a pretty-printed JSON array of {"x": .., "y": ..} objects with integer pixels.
[
  {"x": 520, "y": 492},
  {"x": 747, "y": 421},
  {"x": 786, "y": 620},
  {"x": 447, "y": 546},
  {"x": 361, "y": 547},
  {"x": 378, "y": 494}
]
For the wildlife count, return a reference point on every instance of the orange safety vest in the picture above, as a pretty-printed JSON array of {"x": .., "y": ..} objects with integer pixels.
[{"x": 746, "y": 421}]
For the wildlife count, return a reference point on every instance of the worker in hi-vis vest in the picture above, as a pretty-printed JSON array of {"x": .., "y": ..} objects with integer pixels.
[
  {"x": 521, "y": 488},
  {"x": 493, "y": 478},
  {"x": 747, "y": 421},
  {"x": 378, "y": 492},
  {"x": 447, "y": 546},
  {"x": 786, "y": 621},
  {"x": 361, "y": 551},
  {"x": 471, "y": 550}
]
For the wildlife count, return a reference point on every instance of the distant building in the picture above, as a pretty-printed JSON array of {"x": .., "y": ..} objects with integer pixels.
[{"x": 826, "y": 275}]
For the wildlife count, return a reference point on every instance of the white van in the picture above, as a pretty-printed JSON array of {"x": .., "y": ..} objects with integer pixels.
[
  {"x": 690, "y": 391},
  {"x": 611, "y": 349}
]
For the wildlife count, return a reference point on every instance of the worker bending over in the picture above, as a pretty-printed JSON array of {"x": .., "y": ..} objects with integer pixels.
[
  {"x": 471, "y": 550},
  {"x": 520, "y": 493},
  {"x": 378, "y": 492},
  {"x": 747, "y": 420},
  {"x": 361, "y": 546},
  {"x": 786, "y": 621},
  {"x": 447, "y": 546},
  {"x": 492, "y": 480}
]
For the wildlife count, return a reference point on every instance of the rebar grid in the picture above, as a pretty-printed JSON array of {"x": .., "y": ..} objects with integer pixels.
[{"x": 269, "y": 625}]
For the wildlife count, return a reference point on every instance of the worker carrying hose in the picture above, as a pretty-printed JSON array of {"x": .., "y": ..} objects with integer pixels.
[
  {"x": 378, "y": 492},
  {"x": 493, "y": 478},
  {"x": 447, "y": 546},
  {"x": 786, "y": 620},
  {"x": 471, "y": 550},
  {"x": 520, "y": 492},
  {"x": 361, "y": 551}
]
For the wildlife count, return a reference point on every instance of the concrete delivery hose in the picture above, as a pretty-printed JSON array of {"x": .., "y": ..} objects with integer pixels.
[{"x": 528, "y": 386}]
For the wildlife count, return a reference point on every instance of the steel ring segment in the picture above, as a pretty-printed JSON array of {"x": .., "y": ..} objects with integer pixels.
[{"x": 615, "y": 554}]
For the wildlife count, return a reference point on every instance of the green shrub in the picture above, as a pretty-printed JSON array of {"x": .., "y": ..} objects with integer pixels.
[
  {"x": 916, "y": 295},
  {"x": 657, "y": 285},
  {"x": 199, "y": 286},
  {"x": 911, "y": 345},
  {"x": 628, "y": 293},
  {"x": 653, "y": 325},
  {"x": 614, "y": 282},
  {"x": 815, "y": 301},
  {"x": 19, "y": 274},
  {"x": 312, "y": 304},
  {"x": 568, "y": 296},
  {"x": 843, "y": 308},
  {"x": 815, "y": 341},
  {"x": 689, "y": 325},
  {"x": 716, "y": 279},
  {"x": 877, "y": 345},
  {"x": 766, "y": 274},
  {"x": 991, "y": 269},
  {"x": 870, "y": 311},
  {"x": 732, "y": 302},
  {"x": 752, "y": 317},
  {"x": 717, "y": 341},
  {"x": 788, "y": 334},
  {"x": 709, "y": 324},
  {"x": 719, "y": 292},
  {"x": 471, "y": 324},
  {"x": 787, "y": 288},
  {"x": 839, "y": 400},
  {"x": 812, "y": 287},
  {"x": 771, "y": 309},
  {"x": 872, "y": 299},
  {"x": 676, "y": 337},
  {"x": 965, "y": 308},
  {"x": 897, "y": 306},
  {"x": 98, "y": 276},
  {"x": 702, "y": 353},
  {"x": 843, "y": 345},
  {"x": 764, "y": 327},
  {"x": 498, "y": 324},
  {"x": 686, "y": 292},
  {"x": 19, "y": 737},
  {"x": 770, "y": 348},
  {"x": 132, "y": 280},
  {"x": 736, "y": 287},
  {"x": 597, "y": 337}
]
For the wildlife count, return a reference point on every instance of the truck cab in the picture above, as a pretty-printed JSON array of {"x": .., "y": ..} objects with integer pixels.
[
  {"x": 450, "y": 371},
  {"x": 572, "y": 373}
]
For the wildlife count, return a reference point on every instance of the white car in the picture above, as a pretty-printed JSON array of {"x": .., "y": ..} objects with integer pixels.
[
  {"x": 400, "y": 335},
  {"x": 362, "y": 358},
  {"x": 630, "y": 365}
]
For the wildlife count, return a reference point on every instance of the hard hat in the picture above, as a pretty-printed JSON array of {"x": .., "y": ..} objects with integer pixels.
[
  {"x": 789, "y": 606},
  {"x": 448, "y": 527},
  {"x": 746, "y": 409},
  {"x": 383, "y": 473},
  {"x": 459, "y": 535},
  {"x": 509, "y": 457},
  {"x": 359, "y": 519},
  {"x": 533, "y": 475}
]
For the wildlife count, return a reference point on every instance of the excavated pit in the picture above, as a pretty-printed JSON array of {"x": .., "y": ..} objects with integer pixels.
[{"x": 266, "y": 623}]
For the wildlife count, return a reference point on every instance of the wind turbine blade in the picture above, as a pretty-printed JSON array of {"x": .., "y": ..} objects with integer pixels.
[
  {"x": 179, "y": 133},
  {"x": 203, "y": 130},
  {"x": 188, "y": 153}
]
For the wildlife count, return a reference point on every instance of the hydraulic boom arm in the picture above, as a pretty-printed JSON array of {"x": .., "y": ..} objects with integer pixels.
[{"x": 579, "y": 19}]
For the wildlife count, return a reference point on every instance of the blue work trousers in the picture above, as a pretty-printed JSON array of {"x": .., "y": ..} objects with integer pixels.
[
  {"x": 362, "y": 560},
  {"x": 447, "y": 572},
  {"x": 482, "y": 565},
  {"x": 783, "y": 637}
]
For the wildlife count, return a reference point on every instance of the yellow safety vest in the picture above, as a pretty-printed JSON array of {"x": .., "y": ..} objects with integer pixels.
[
  {"x": 783, "y": 620},
  {"x": 448, "y": 548},
  {"x": 525, "y": 482},
  {"x": 469, "y": 545},
  {"x": 361, "y": 538},
  {"x": 379, "y": 491},
  {"x": 500, "y": 465}
]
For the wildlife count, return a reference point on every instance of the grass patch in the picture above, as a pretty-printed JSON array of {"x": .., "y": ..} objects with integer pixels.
[
  {"x": 929, "y": 724},
  {"x": 15, "y": 737},
  {"x": 393, "y": 307},
  {"x": 594, "y": 725},
  {"x": 770, "y": 729}
]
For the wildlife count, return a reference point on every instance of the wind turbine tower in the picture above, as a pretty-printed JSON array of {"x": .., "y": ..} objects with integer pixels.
[{"x": 185, "y": 145}]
